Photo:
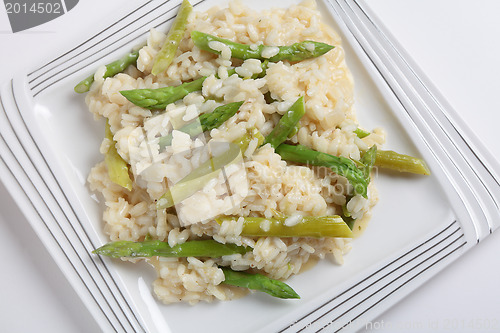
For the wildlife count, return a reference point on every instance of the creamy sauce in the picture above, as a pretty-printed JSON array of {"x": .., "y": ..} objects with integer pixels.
[{"x": 313, "y": 260}]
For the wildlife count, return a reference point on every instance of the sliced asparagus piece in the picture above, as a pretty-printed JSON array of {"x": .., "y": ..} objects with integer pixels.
[
  {"x": 307, "y": 226},
  {"x": 368, "y": 160},
  {"x": 112, "y": 69},
  {"x": 361, "y": 133},
  {"x": 259, "y": 282},
  {"x": 245, "y": 140},
  {"x": 287, "y": 124},
  {"x": 153, "y": 248},
  {"x": 158, "y": 99},
  {"x": 117, "y": 167},
  {"x": 340, "y": 165},
  {"x": 391, "y": 160},
  {"x": 206, "y": 122},
  {"x": 294, "y": 52},
  {"x": 164, "y": 57}
]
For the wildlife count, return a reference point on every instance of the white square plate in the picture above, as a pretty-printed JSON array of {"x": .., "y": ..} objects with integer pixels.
[{"x": 49, "y": 142}]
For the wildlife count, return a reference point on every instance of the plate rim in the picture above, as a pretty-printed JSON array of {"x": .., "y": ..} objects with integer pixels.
[{"x": 19, "y": 83}]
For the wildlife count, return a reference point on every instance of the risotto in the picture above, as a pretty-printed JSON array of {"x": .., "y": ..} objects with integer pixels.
[{"x": 257, "y": 182}]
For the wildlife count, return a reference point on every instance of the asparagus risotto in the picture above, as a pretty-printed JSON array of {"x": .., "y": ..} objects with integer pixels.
[{"x": 237, "y": 162}]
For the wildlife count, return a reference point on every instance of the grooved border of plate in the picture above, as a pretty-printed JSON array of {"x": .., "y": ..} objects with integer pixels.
[
  {"x": 128, "y": 30},
  {"x": 345, "y": 308}
]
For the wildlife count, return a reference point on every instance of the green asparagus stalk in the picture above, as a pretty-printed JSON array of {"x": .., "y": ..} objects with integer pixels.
[
  {"x": 294, "y": 52},
  {"x": 366, "y": 163},
  {"x": 361, "y": 133},
  {"x": 259, "y": 282},
  {"x": 308, "y": 226},
  {"x": 158, "y": 99},
  {"x": 117, "y": 167},
  {"x": 112, "y": 69},
  {"x": 166, "y": 54},
  {"x": 245, "y": 140},
  {"x": 340, "y": 165},
  {"x": 153, "y": 248},
  {"x": 391, "y": 160},
  {"x": 219, "y": 116},
  {"x": 368, "y": 160},
  {"x": 205, "y": 122},
  {"x": 346, "y": 215},
  {"x": 287, "y": 123}
]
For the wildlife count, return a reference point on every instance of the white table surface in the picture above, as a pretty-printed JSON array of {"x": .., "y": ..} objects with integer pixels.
[{"x": 454, "y": 41}]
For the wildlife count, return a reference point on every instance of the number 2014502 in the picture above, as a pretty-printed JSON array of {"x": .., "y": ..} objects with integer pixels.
[{"x": 34, "y": 8}]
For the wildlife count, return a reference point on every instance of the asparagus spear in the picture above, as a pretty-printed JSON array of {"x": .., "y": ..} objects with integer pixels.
[
  {"x": 112, "y": 69},
  {"x": 308, "y": 226},
  {"x": 361, "y": 133},
  {"x": 294, "y": 52},
  {"x": 216, "y": 118},
  {"x": 368, "y": 160},
  {"x": 391, "y": 160},
  {"x": 287, "y": 124},
  {"x": 366, "y": 163},
  {"x": 259, "y": 282},
  {"x": 245, "y": 140},
  {"x": 156, "y": 99},
  {"x": 159, "y": 98},
  {"x": 399, "y": 162},
  {"x": 340, "y": 165},
  {"x": 346, "y": 216},
  {"x": 166, "y": 54},
  {"x": 117, "y": 167},
  {"x": 207, "y": 122},
  {"x": 153, "y": 248},
  {"x": 294, "y": 131}
]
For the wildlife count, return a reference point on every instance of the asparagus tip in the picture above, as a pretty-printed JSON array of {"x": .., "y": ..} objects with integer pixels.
[{"x": 322, "y": 48}]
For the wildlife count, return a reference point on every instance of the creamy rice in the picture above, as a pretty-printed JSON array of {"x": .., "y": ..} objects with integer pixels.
[{"x": 261, "y": 182}]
